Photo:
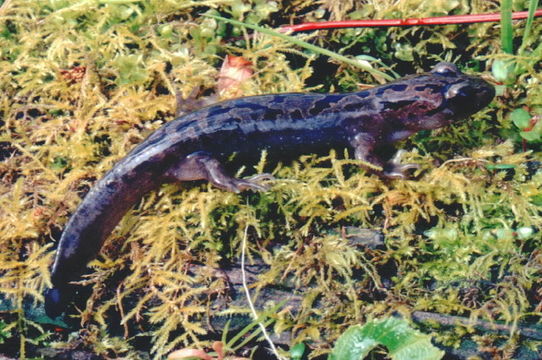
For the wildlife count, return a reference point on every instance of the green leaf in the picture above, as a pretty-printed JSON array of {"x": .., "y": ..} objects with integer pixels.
[
  {"x": 297, "y": 351},
  {"x": 536, "y": 199},
  {"x": 500, "y": 166},
  {"x": 521, "y": 118},
  {"x": 530, "y": 135},
  {"x": 402, "y": 341},
  {"x": 503, "y": 70},
  {"x": 525, "y": 232},
  {"x": 352, "y": 345}
]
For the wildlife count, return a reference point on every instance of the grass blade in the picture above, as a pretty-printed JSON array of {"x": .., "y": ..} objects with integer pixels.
[
  {"x": 533, "y": 4},
  {"x": 305, "y": 45},
  {"x": 506, "y": 26}
]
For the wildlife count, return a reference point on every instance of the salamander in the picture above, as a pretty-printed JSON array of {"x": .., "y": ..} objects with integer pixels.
[{"x": 196, "y": 146}]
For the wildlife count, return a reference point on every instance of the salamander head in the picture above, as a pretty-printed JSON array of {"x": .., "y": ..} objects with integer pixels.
[
  {"x": 464, "y": 95},
  {"x": 437, "y": 98}
]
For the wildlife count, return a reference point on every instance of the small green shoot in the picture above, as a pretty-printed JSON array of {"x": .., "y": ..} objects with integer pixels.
[
  {"x": 509, "y": 69},
  {"x": 533, "y": 4},
  {"x": 507, "y": 31},
  {"x": 4, "y": 334}
]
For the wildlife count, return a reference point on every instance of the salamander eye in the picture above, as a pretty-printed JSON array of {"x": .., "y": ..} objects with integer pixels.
[
  {"x": 458, "y": 91},
  {"x": 446, "y": 69}
]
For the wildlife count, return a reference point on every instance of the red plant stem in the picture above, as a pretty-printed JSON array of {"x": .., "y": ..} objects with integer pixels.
[
  {"x": 534, "y": 120},
  {"x": 439, "y": 20}
]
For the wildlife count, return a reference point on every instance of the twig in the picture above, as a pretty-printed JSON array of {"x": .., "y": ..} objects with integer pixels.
[
  {"x": 450, "y": 320},
  {"x": 4, "y": 7},
  {"x": 438, "y": 20},
  {"x": 249, "y": 299}
]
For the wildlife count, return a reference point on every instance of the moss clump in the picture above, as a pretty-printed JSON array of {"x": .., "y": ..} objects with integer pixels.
[{"x": 82, "y": 82}]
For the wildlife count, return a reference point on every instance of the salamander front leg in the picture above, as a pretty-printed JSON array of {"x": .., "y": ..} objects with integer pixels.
[
  {"x": 202, "y": 166},
  {"x": 364, "y": 149}
]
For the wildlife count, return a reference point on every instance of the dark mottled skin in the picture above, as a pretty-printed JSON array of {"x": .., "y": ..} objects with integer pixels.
[{"x": 193, "y": 147}]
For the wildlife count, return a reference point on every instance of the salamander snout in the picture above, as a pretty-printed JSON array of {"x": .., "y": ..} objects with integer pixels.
[{"x": 467, "y": 97}]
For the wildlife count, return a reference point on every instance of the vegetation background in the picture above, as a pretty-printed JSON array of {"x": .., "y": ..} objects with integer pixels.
[{"x": 82, "y": 82}]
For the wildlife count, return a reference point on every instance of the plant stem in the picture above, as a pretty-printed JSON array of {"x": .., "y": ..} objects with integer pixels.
[
  {"x": 438, "y": 20},
  {"x": 306, "y": 45}
]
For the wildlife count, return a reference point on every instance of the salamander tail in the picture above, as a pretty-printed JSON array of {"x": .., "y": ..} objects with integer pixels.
[{"x": 55, "y": 303}]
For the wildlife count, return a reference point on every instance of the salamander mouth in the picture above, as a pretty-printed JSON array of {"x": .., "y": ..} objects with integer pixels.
[{"x": 485, "y": 95}]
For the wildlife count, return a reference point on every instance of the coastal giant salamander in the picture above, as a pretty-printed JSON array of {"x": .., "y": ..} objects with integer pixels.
[{"x": 195, "y": 146}]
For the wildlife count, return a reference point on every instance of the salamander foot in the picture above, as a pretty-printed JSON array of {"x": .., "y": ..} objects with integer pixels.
[{"x": 395, "y": 170}]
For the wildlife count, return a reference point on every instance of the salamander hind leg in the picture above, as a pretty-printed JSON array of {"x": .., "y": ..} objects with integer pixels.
[{"x": 202, "y": 166}]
